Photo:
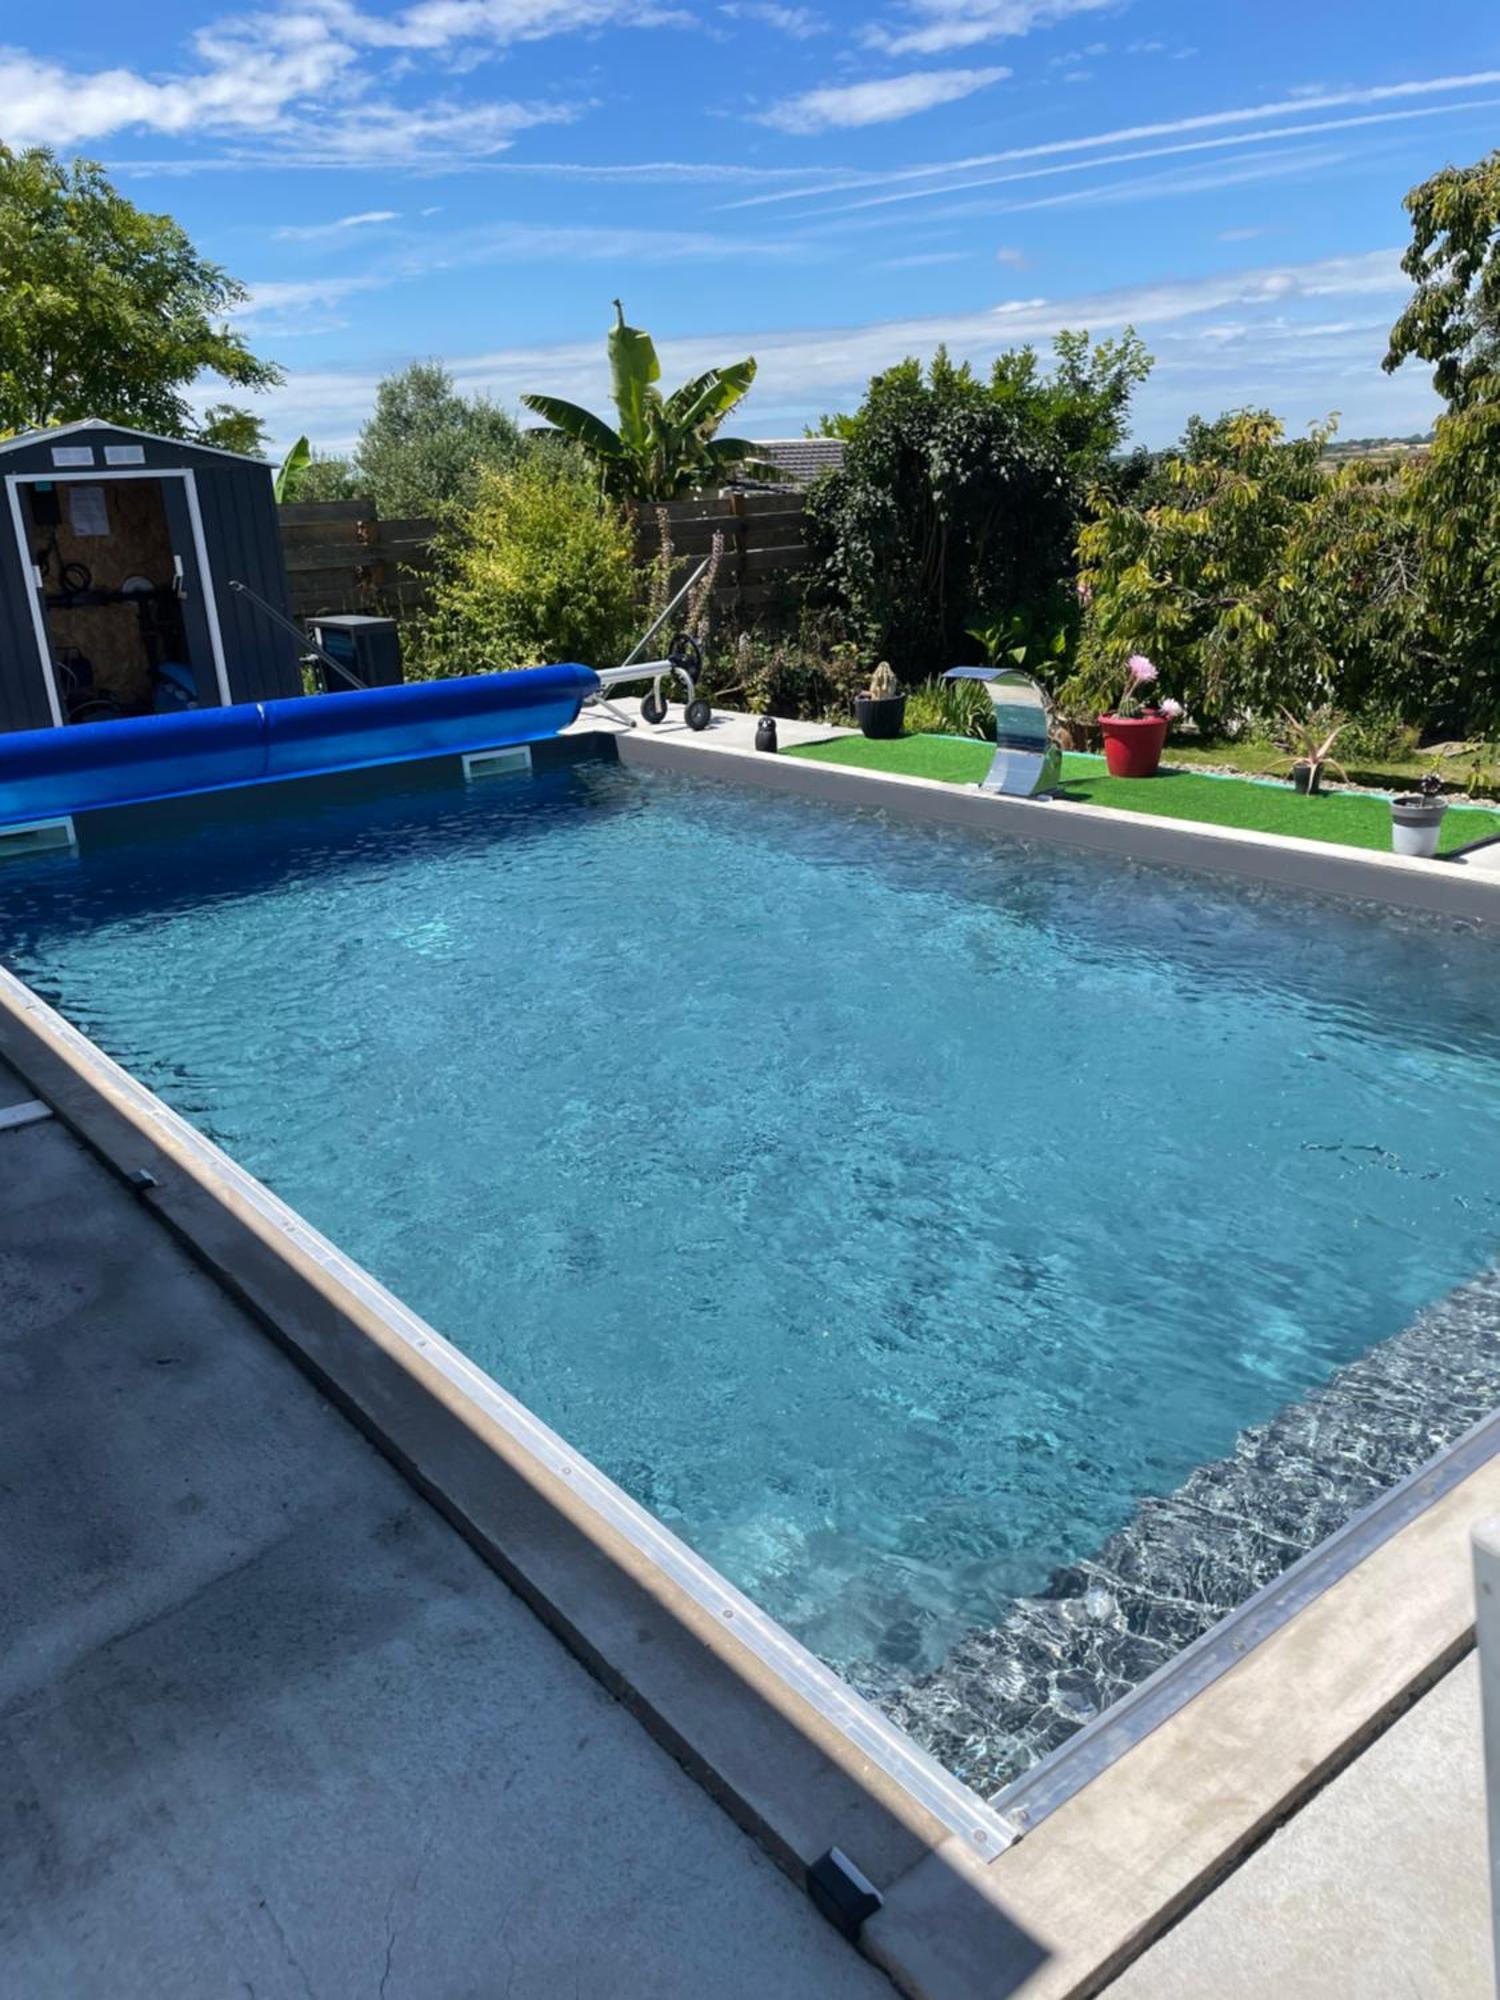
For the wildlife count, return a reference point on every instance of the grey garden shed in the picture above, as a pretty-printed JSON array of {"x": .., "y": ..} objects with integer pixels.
[{"x": 117, "y": 550}]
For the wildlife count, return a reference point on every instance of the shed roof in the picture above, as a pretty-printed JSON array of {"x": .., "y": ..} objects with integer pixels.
[{"x": 24, "y": 440}]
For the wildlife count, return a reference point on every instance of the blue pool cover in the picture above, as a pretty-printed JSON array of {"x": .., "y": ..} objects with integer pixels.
[{"x": 48, "y": 773}]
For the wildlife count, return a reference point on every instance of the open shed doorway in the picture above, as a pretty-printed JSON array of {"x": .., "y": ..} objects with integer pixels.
[{"x": 121, "y": 598}]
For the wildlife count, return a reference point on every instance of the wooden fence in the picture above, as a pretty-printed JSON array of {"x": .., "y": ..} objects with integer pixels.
[{"x": 341, "y": 556}]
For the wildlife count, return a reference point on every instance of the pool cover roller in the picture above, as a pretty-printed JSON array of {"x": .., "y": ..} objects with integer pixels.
[{"x": 53, "y": 773}]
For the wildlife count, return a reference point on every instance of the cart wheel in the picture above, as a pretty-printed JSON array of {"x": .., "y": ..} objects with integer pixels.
[
  {"x": 653, "y": 708},
  {"x": 686, "y": 654},
  {"x": 698, "y": 713}
]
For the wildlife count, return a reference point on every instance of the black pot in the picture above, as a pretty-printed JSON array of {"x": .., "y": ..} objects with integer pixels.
[
  {"x": 880, "y": 718},
  {"x": 765, "y": 733},
  {"x": 1307, "y": 777}
]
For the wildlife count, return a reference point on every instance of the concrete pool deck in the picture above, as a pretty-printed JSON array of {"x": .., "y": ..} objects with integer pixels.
[
  {"x": 267, "y": 1724},
  {"x": 1379, "y": 1886}
]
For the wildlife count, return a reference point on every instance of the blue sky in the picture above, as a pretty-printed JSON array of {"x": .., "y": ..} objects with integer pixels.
[{"x": 827, "y": 186}]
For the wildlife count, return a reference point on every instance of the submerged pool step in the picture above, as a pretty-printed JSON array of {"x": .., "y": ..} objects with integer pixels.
[{"x": 1009, "y": 1695}]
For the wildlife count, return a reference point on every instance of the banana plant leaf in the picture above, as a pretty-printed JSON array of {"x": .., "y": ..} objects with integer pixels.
[
  {"x": 740, "y": 454},
  {"x": 581, "y": 425},
  {"x": 711, "y": 395},
  {"x": 634, "y": 370},
  {"x": 291, "y": 469}
]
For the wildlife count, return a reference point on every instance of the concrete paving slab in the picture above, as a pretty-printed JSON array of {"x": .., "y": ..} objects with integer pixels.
[
  {"x": 729, "y": 730},
  {"x": 1378, "y": 1887},
  {"x": 267, "y": 1724}
]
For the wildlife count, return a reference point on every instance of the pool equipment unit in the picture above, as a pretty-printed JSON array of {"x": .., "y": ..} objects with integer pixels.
[
  {"x": 47, "y": 775},
  {"x": 310, "y": 653},
  {"x": 368, "y": 649},
  {"x": 1027, "y": 763},
  {"x": 683, "y": 660}
]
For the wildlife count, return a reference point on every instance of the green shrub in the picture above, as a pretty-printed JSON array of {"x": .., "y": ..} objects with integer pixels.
[
  {"x": 1378, "y": 736},
  {"x": 950, "y": 708},
  {"x": 802, "y": 666},
  {"x": 541, "y": 567}
]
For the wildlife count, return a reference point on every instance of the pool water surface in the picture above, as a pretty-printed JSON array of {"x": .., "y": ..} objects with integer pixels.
[{"x": 892, "y": 1213}]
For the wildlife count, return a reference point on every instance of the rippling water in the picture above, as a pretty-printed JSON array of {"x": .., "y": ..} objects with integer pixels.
[{"x": 892, "y": 1213}]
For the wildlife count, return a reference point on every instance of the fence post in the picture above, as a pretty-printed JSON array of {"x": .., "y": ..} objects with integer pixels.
[
  {"x": 737, "y": 511},
  {"x": 1486, "y": 1544}
]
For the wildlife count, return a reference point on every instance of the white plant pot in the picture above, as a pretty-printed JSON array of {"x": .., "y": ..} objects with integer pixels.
[{"x": 1415, "y": 825}]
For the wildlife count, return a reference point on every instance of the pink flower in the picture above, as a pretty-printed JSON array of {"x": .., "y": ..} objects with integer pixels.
[
  {"x": 1085, "y": 595},
  {"x": 1171, "y": 709},
  {"x": 1140, "y": 669}
]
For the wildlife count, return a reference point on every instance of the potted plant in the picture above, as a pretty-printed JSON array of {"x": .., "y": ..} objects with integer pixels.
[
  {"x": 1417, "y": 818},
  {"x": 1307, "y": 742},
  {"x": 1135, "y": 729},
  {"x": 881, "y": 710}
]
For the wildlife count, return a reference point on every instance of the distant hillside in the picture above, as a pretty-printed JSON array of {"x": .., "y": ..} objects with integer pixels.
[{"x": 1378, "y": 447}]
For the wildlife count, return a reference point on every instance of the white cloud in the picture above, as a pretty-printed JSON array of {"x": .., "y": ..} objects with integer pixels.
[
  {"x": 1243, "y": 235},
  {"x": 303, "y": 306},
  {"x": 878, "y": 102},
  {"x": 803, "y": 371},
  {"x": 1202, "y": 122},
  {"x": 285, "y": 307},
  {"x": 933, "y": 27},
  {"x": 801, "y": 23},
  {"x": 1277, "y": 165},
  {"x": 921, "y": 259},
  {"x": 1017, "y": 259},
  {"x": 308, "y": 72},
  {"x": 539, "y": 242},
  {"x": 314, "y": 232},
  {"x": 370, "y": 133}
]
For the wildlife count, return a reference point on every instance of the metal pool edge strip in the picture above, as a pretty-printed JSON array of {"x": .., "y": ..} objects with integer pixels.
[
  {"x": 1278, "y": 860},
  {"x": 1030, "y": 1798},
  {"x": 884, "y": 1793}
]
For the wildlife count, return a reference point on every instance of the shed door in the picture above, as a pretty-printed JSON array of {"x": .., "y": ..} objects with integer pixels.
[{"x": 192, "y": 592}]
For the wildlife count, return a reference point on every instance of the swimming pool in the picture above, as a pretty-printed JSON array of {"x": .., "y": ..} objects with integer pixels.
[{"x": 905, "y": 1220}]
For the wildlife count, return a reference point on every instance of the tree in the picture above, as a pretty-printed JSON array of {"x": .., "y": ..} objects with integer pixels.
[
  {"x": 661, "y": 446},
  {"x": 229, "y": 429},
  {"x": 105, "y": 310},
  {"x": 325, "y": 476},
  {"x": 1453, "y": 321},
  {"x": 426, "y": 446},
  {"x": 1453, "y": 318},
  {"x": 1083, "y": 404},
  {"x": 1259, "y": 578},
  {"x": 1187, "y": 571},
  {"x": 953, "y": 509}
]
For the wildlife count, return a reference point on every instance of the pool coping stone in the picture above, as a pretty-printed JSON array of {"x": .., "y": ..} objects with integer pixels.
[{"x": 1438, "y": 887}]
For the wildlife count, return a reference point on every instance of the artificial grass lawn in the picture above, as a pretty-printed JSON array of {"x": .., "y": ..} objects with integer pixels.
[{"x": 1348, "y": 817}]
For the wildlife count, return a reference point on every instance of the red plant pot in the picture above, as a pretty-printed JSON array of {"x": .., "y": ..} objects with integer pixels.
[{"x": 1133, "y": 744}]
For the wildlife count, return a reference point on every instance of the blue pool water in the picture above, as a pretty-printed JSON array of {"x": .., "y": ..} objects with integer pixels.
[{"x": 890, "y": 1212}]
